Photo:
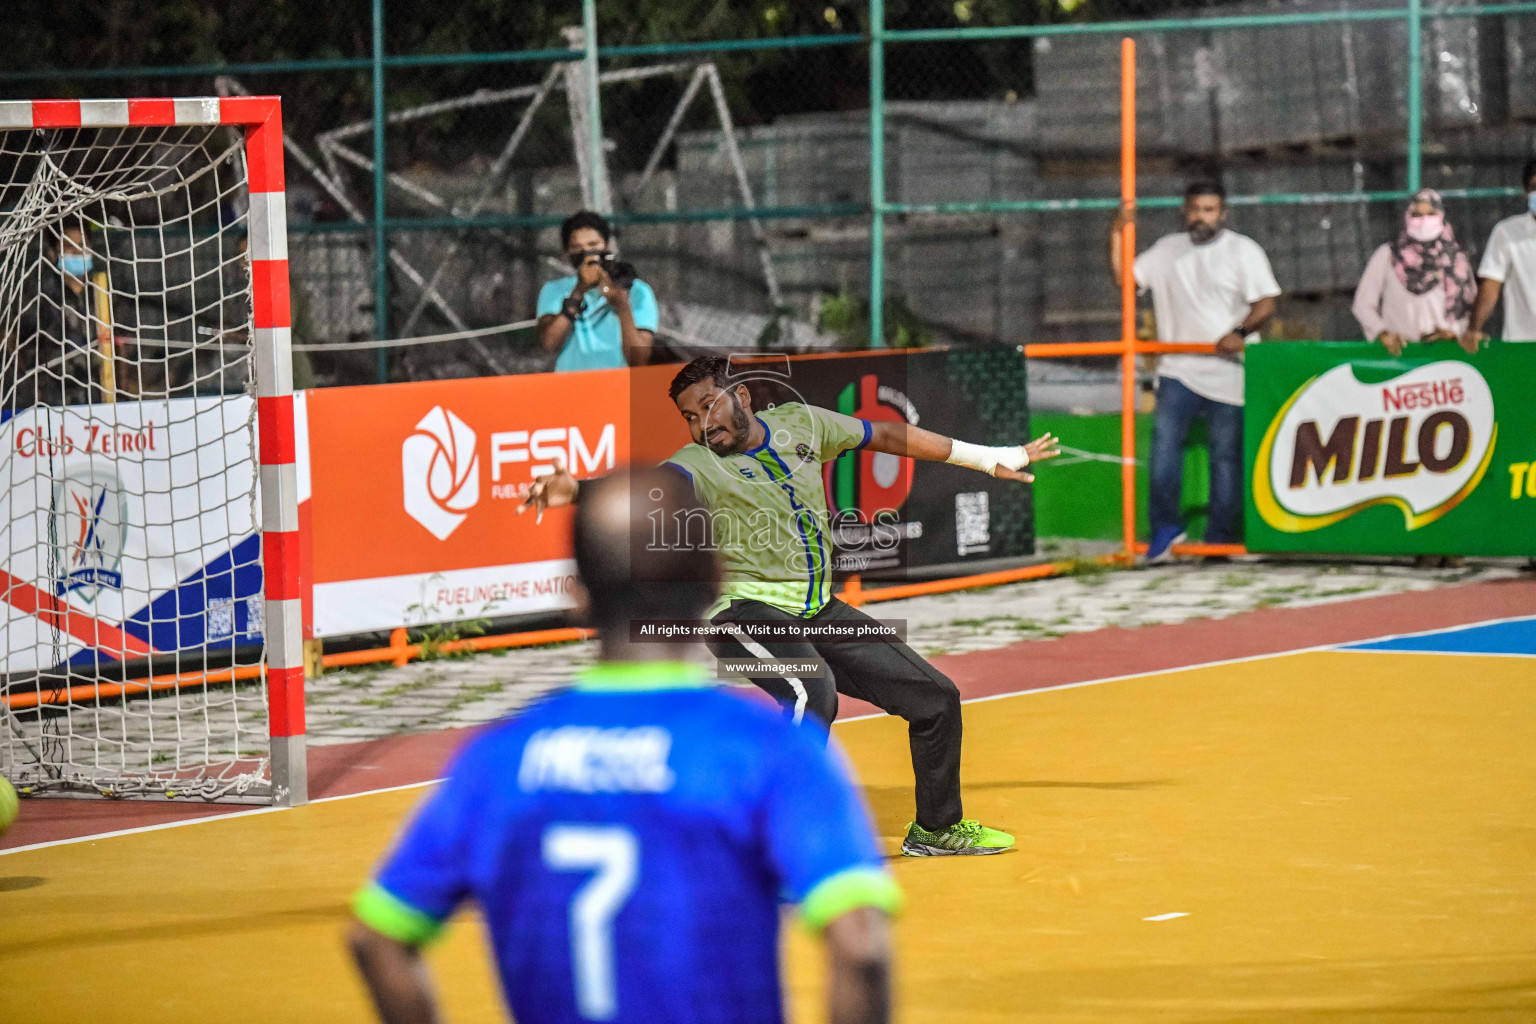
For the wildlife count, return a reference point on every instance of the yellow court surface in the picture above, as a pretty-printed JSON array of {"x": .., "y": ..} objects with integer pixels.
[{"x": 1348, "y": 836}]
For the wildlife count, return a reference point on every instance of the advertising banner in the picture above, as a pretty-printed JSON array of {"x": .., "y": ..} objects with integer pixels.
[
  {"x": 890, "y": 514},
  {"x": 128, "y": 529},
  {"x": 413, "y": 517},
  {"x": 1352, "y": 450},
  {"x": 415, "y": 486}
]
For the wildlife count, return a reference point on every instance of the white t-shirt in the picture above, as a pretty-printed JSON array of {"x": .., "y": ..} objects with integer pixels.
[
  {"x": 1511, "y": 258},
  {"x": 1200, "y": 293}
]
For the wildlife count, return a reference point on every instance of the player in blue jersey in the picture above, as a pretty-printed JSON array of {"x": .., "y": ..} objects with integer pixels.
[{"x": 628, "y": 840}]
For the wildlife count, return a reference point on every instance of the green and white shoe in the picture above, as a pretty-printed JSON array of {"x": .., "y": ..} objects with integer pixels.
[{"x": 965, "y": 837}]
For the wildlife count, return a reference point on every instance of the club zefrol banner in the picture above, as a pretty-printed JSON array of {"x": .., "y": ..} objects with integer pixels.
[
  {"x": 128, "y": 530},
  {"x": 1352, "y": 450}
]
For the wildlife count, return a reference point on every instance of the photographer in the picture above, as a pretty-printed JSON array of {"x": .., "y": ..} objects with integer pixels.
[{"x": 602, "y": 316}]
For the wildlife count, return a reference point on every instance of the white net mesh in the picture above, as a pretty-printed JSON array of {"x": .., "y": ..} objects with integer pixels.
[{"x": 130, "y": 584}]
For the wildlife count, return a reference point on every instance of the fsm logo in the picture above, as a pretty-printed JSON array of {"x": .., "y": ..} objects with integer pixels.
[
  {"x": 1420, "y": 441},
  {"x": 86, "y": 523},
  {"x": 441, "y": 472}
]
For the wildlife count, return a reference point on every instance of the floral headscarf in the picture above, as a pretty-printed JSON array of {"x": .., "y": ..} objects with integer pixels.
[{"x": 1438, "y": 263}]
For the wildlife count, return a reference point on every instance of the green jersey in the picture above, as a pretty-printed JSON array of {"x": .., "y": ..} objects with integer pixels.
[{"x": 768, "y": 506}]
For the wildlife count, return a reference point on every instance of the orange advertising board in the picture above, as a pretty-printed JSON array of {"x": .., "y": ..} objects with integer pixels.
[{"x": 415, "y": 488}]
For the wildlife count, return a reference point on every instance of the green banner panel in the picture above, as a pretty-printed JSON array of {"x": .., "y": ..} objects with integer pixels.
[{"x": 1352, "y": 450}]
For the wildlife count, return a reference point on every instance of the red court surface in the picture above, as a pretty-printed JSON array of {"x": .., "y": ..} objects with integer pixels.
[{"x": 351, "y": 768}]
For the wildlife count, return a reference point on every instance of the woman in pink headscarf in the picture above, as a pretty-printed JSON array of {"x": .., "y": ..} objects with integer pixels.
[{"x": 1420, "y": 287}]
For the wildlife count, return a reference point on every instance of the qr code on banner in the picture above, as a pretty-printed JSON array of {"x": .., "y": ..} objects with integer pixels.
[
  {"x": 972, "y": 523},
  {"x": 221, "y": 618}
]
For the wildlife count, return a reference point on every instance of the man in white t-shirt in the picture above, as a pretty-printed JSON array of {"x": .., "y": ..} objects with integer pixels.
[
  {"x": 1208, "y": 284},
  {"x": 1509, "y": 267}
]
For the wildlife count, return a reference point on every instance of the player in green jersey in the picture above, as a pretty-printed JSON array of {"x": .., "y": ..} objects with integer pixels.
[{"x": 759, "y": 472}]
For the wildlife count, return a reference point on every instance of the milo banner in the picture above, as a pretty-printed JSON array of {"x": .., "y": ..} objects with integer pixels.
[{"x": 1352, "y": 450}]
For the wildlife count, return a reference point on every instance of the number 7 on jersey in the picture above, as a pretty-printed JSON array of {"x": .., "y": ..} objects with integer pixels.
[{"x": 613, "y": 855}]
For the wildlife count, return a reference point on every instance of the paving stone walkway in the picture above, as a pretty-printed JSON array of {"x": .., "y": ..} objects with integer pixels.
[{"x": 364, "y": 704}]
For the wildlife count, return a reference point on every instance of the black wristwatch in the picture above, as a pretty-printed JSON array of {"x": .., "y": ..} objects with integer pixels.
[{"x": 571, "y": 309}]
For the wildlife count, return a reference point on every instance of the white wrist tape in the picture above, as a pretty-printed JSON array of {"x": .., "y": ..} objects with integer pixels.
[{"x": 986, "y": 459}]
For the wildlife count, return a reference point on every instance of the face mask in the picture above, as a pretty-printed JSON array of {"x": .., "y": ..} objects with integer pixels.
[
  {"x": 75, "y": 264},
  {"x": 1426, "y": 228},
  {"x": 1200, "y": 232},
  {"x": 1530, "y": 200}
]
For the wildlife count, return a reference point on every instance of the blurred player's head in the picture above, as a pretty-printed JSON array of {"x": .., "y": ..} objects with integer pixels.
[
  {"x": 585, "y": 232},
  {"x": 1205, "y": 210},
  {"x": 633, "y": 564},
  {"x": 1528, "y": 176},
  {"x": 716, "y": 407}
]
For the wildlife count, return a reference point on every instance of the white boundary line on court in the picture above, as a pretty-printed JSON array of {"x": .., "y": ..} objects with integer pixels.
[
  {"x": 1354, "y": 646},
  {"x": 254, "y": 811},
  {"x": 856, "y": 718},
  {"x": 1436, "y": 654},
  {"x": 1243, "y": 660}
]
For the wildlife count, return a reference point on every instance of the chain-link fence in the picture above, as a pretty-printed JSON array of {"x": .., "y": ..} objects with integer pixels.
[{"x": 751, "y": 194}]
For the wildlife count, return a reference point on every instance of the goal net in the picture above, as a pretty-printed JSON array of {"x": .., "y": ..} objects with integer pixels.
[{"x": 150, "y": 623}]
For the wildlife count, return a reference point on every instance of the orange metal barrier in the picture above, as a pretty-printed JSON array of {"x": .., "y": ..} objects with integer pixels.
[
  {"x": 1202, "y": 550},
  {"x": 129, "y": 687},
  {"x": 1056, "y": 350},
  {"x": 1128, "y": 347},
  {"x": 1128, "y": 295},
  {"x": 854, "y": 593},
  {"x": 399, "y": 652}
]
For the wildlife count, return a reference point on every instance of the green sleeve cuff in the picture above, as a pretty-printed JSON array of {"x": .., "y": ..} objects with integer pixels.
[
  {"x": 837, "y": 894},
  {"x": 392, "y": 917}
]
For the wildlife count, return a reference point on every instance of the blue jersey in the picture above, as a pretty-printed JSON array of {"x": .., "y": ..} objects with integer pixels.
[{"x": 628, "y": 842}]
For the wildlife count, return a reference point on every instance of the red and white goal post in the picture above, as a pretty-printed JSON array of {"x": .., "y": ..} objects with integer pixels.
[{"x": 150, "y": 604}]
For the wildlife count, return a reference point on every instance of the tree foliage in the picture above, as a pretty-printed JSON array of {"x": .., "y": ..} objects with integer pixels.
[{"x": 762, "y": 84}]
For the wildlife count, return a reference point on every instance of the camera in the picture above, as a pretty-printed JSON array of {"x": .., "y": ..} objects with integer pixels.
[{"x": 620, "y": 272}]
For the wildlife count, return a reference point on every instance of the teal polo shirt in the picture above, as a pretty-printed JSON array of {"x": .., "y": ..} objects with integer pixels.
[{"x": 597, "y": 343}]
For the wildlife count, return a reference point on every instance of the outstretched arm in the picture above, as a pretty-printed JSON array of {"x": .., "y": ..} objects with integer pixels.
[
  {"x": 558, "y": 489},
  {"x": 553, "y": 490},
  {"x": 1005, "y": 463}
]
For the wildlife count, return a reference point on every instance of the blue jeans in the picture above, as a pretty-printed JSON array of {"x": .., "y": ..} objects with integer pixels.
[{"x": 1177, "y": 408}]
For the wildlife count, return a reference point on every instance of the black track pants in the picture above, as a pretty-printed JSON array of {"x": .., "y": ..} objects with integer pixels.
[{"x": 887, "y": 674}]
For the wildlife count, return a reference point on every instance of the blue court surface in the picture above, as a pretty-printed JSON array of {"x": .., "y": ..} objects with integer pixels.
[{"x": 1514, "y": 637}]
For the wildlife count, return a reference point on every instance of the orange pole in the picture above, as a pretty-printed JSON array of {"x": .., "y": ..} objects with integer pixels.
[
  {"x": 402, "y": 653},
  {"x": 986, "y": 579},
  {"x": 1058, "y": 349},
  {"x": 104, "y": 691},
  {"x": 1206, "y": 550},
  {"x": 398, "y": 642},
  {"x": 1128, "y": 296}
]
